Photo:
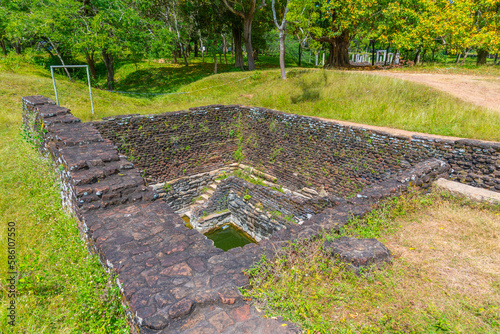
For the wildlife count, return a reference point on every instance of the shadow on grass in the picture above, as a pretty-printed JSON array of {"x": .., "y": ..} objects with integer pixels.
[
  {"x": 311, "y": 91},
  {"x": 168, "y": 78}
]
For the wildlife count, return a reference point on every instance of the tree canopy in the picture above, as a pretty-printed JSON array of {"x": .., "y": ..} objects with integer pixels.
[{"x": 105, "y": 30}]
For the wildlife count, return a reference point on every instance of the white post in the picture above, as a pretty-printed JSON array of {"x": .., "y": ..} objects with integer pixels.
[
  {"x": 316, "y": 59},
  {"x": 323, "y": 59}
]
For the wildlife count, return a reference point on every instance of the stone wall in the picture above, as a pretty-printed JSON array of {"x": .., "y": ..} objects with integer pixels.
[
  {"x": 172, "y": 278},
  {"x": 182, "y": 192},
  {"x": 94, "y": 175},
  {"x": 304, "y": 153},
  {"x": 172, "y": 145},
  {"x": 258, "y": 210}
]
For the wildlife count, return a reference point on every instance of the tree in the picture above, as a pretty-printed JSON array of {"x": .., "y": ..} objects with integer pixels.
[
  {"x": 336, "y": 23},
  {"x": 246, "y": 10},
  {"x": 282, "y": 35},
  {"x": 4, "y": 16}
]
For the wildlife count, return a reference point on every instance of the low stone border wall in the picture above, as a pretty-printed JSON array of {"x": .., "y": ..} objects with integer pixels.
[{"x": 173, "y": 279}]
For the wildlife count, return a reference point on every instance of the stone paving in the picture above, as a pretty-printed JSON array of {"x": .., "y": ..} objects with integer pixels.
[{"x": 172, "y": 278}]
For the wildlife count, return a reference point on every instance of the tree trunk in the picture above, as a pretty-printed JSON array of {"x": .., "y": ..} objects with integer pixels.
[
  {"x": 224, "y": 48},
  {"x": 91, "y": 63},
  {"x": 393, "y": 60},
  {"x": 247, "y": 37},
  {"x": 215, "y": 58},
  {"x": 17, "y": 46},
  {"x": 496, "y": 58},
  {"x": 4, "y": 47},
  {"x": 417, "y": 57},
  {"x": 110, "y": 72},
  {"x": 232, "y": 48},
  {"x": 387, "y": 54},
  {"x": 300, "y": 54},
  {"x": 339, "y": 51},
  {"x": 195, "y": 48},
  {"x": 465, "y": 56},
  {"x": 174, "y": 55},
  {"x": 255, "y": 55},
  {"x": 238, "y": 50},
  {"x": 423, "y": 56},
  {"x": 458, "y": 58},
  {"x": 282, "y": 35},
  {"x": 60, "y": 58},
  {"x": 183, "y": 51},
  {"x": 481, "y": 57},
  {"x": 202, "y": 48}
]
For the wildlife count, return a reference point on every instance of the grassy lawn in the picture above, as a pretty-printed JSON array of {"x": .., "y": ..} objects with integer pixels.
[
  {"x": 444, "y": 277},
  {"x": 341, "y": 95},
  {"x": 64, "y": 289}
]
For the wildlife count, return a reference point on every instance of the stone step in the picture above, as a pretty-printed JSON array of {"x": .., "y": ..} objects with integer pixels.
[
  {"x": 209, "y": 191},
  {"x": 213, "y": 186},
  {"x": 205, "y": 196}
]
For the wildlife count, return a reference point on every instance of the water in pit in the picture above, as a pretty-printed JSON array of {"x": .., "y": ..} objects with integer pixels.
[{"x": 228, "y": 237}]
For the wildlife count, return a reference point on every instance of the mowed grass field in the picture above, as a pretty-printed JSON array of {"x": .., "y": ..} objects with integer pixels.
[{"x": 64, "y": 289}]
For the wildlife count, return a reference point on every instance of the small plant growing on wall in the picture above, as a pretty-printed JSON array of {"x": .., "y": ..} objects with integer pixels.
[
  {"x": 274, "y": 154},
  {"x": 247, "y": 196},
  {"x": 272, "y": 126},
  {"x": 238, "y": 154},
  {"x": 223, "y": 176},
  {"x": 167, "y": 187}
]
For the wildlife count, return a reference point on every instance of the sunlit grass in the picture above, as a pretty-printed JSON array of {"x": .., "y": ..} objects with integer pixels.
[
  {"x": 61, "y": 287},
  {"x": 341, "y": 95},
  {"x": 443, "y": 278}
]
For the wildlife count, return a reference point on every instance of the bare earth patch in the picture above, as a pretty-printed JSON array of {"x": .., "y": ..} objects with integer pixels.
[
  {"x": 458, "y": 248},
  {"x": 480, "y": 90}
]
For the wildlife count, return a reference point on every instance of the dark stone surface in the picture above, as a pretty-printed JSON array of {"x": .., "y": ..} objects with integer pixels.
[
  {"x": 315, "y": 154},
  {"x": 358, "y": 252}
]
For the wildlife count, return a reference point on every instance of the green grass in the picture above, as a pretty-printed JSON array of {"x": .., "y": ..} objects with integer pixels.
[
  {"x": 61, "y": 288},
  {"x": 341, "y": 95},
  {"x": 412, "y": 295}
]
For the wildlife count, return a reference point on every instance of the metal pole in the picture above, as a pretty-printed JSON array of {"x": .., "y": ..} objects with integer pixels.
[
  {"x": 72, "y": 66},
  {"x": 54, "y": 82},
  {"x": 90, "y": 91}
]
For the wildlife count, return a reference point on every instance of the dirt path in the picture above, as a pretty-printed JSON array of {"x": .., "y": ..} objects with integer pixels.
[{"x": 480, "y": 90}]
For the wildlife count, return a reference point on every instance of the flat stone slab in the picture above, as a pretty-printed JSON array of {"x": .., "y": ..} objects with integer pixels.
[
  {"x": 358, "y": 252},
  {"x": 476, "y": 194}
]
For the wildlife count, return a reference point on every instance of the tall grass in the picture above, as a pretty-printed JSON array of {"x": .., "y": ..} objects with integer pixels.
[
  {"x": 61, "y": 287},
  {"x": 338, "y": 95}
]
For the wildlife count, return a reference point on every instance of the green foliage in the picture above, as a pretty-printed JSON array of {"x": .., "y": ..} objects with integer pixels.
[
  {"x": 167, "y": 187},
  {"x": 238, "y": 154},
  {"x": 222, "y": 176},
  {"x": 274, "y": 154},
  {"x": 247, "y": 196},
  {"x": 278, "y": 188}
]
